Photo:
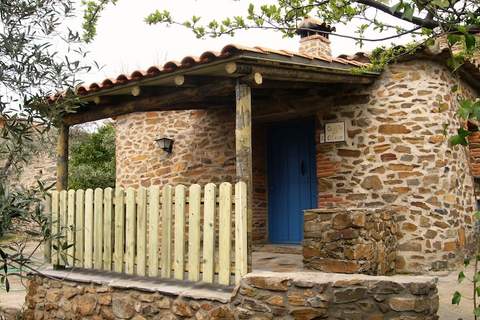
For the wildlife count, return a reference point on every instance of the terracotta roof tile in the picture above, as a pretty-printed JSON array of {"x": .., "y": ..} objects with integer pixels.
[{"x": 206, "y": 57}]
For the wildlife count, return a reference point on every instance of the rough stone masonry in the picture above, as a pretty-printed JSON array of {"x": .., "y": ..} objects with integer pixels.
[
  {"x": 351, "y": 240},
  {"x": 396, "y": 153},
  {"x": 300, "y": 296}
]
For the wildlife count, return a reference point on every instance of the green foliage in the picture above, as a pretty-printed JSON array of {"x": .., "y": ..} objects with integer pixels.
[
  {"x": 92, "y": 160},
  {"x": 91, "y": 15}
]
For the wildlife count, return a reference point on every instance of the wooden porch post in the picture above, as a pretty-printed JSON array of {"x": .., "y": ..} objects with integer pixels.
[
  {"x": 62, "y": 157},
  {"x": 243, "y": 148}
]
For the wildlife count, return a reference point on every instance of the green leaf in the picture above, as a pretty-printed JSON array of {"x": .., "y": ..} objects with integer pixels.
[
  {"x": 466, "y": 262},
  {"x": 470, "y": 42},
  {"x": 477, "y": 215},
  {"x": 453, "y": 39},
  {"x": 460, "y": 137},
  {"x": 458, "y": 140},
  {"x": 408, "y": 13},
  {"x": 456, "y": 298},
  {"x": 476, "y": 278},
  {"x": 461, "y": 276},
  {"x": 396, "y": 7}
]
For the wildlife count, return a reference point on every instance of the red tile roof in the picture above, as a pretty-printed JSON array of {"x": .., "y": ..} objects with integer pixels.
[{"x": 358, "y": 60}]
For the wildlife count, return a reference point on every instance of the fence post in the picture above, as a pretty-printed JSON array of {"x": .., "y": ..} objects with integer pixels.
[
  {"x": 179, "y": 250},
  {"x": 107, "y": 231},
  {"x": 88, "y": 229},
  {"x": 119, "y": 229},
  {"x": 47, "y": 210},
  {"x": 153, "y": 213},
  {"x": 79, "y": 227},
  {"x": 194, "y": 234},
  {"x": 141, "y": 231},
  {"x": 166, "y": 253},
  {"x": 70, "y": 225},
  {"x": 225, "y": 232},
  {"x": 241, "y": 243},
  {"x": 209, "y": 205},
  {"x": 62, "y": 225},
  {"x": 98, "y": 229},
  {"x": 130, "y": 232}
]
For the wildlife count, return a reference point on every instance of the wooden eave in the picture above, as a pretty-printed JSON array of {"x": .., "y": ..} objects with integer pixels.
[{"x": 212, "y": 81}]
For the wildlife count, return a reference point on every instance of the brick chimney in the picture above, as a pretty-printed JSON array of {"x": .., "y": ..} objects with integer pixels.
[{"x": 314, "y": 37}]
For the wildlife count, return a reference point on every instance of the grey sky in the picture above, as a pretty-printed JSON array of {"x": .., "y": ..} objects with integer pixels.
[{"x": 125, "y": 42}]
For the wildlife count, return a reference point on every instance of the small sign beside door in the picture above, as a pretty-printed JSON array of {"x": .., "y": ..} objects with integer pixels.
[{"x": 333, "y": 132}]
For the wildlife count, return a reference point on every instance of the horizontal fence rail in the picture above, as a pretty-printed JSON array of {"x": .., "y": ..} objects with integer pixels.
[{"x": 173, "y": 232}]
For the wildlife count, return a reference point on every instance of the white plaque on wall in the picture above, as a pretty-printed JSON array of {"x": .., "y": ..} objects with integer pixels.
[{"x": 335, "y": 131}]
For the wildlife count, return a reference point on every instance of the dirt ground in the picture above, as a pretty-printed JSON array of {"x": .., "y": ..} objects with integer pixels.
[{"x": 283, "y": 262}]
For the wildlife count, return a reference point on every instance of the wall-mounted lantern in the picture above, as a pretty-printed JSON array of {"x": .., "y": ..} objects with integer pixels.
[{"x": 165, "y": 144}]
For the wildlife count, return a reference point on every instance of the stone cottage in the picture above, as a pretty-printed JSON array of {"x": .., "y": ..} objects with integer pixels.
[{"x": 310, "y": 134}]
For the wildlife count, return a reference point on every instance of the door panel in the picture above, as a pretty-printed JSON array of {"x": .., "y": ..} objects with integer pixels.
[{"x": 291, "y": 179}]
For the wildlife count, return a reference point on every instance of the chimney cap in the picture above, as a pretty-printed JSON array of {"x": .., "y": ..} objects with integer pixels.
[{"x": 311, "y": 26}]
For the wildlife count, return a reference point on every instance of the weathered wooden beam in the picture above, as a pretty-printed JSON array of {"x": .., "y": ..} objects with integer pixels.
[
  {"x": 243, "y": 149},
  {"x": 254, "y": 79},
  {"x": 62, "y": 157},
  {"x": 238, "y": 68},
  {"x": 136, "y": 91},
  {"x": 285, "y": 74},
  {"x": 284, "y": 108},
  {"x": 299, "y": 74},
  {"x": 166, "y": 101}
]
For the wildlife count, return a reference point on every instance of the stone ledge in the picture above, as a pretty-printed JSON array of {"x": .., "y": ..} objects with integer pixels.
[
  {"x": 324, "y": 277},
  {"x": 182, "y": 289}
]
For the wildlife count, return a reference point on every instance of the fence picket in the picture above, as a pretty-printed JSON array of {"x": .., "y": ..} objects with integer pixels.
[
  {"x": 71, "y": 227},
  {"x": 153, "y": 213},
  {"x": 79, "y": 227},
  {"x": 130, "y": 231},
  {"x": 166, "y": 253},
  {"x": 98, "y": 229},
  {"x": 194, "y": 204},
  {"x": 88, "y": 228},
  {"x": 179, "y": 251},
  {"x": 209, "y": 233},
  {"x": 241, "y": 266},
  {"x": 225, "y": 232},
  {"x": 141, "y": 231},
  {"x": 55, "y": 228},
  {"x": 107, "y": 230},
  {"x": 47, "y": 211},
  {"x": 119, "y": 229},
  {"x": 63, "y": 227}
]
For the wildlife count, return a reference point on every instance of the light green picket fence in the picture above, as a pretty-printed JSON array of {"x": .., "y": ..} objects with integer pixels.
[{"x": 176, "y": 232}]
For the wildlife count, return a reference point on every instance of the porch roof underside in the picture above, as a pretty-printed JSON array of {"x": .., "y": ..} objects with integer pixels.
[{"x": 271, "y": 77}]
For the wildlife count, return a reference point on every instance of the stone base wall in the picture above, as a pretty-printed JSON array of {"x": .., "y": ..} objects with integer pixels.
[
  {"x": 259, "y": 296},
  {"x": 350, "y": 240},
  {"x": 54, "y": 299},
  {"x": 333, "y": 296}
]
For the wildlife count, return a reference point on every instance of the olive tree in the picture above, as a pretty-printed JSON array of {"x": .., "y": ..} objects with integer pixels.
[{"x": 40, "y": 57}]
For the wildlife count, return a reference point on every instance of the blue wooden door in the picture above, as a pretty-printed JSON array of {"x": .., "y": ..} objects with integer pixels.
[{"x": 291, "y": 179}]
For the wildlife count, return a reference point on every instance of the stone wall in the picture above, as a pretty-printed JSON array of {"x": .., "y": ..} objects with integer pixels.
[
  {"x": 203, "y": 152},
  {"x": 396, "y": 153},
  {"x": 259, "y": 296},
  {"x": 350, "y": 240}
]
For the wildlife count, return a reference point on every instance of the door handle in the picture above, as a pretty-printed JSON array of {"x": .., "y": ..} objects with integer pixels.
[{"x": 302, "y": 167}]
